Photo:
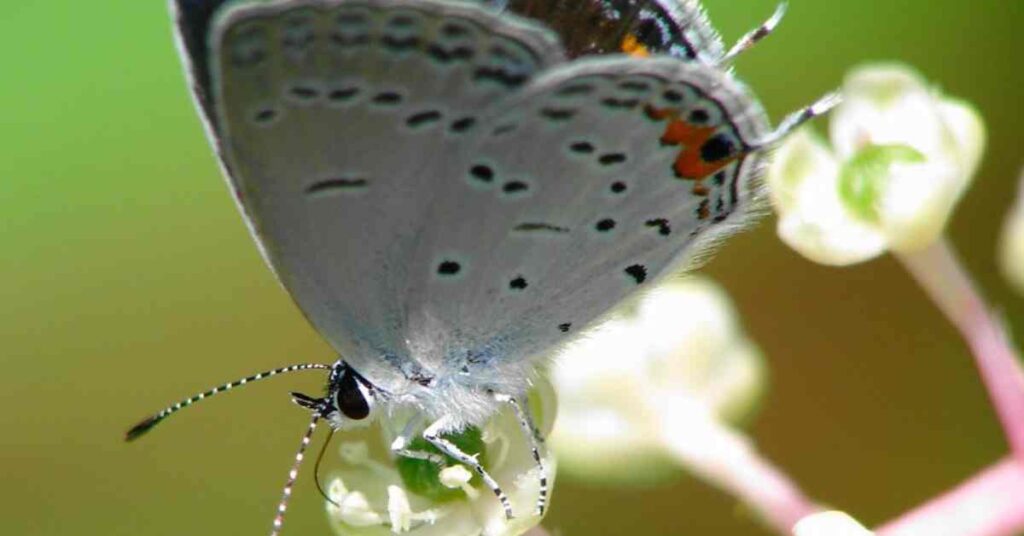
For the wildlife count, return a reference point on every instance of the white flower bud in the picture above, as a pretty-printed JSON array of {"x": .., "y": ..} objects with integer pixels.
[
  {"x": 902, "y": 157},
  {"x": 830, "y": 524},
  {"x": 1012, "y": 244},
  {"x": 679, "y": 352}
]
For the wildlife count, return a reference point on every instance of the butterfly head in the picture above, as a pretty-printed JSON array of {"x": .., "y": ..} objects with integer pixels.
[{"x": 350, "y": 398}]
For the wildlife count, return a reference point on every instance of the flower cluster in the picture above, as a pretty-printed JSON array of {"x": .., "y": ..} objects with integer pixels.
[{"x": 379, "y": 495}]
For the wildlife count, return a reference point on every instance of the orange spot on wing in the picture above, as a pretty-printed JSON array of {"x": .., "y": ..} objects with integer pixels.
[
  {"x": 632, "y": 46},
  {"x": 688, "y": 165}
]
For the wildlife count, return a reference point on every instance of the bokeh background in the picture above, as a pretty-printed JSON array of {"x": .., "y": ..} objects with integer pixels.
[{"x": 127, "y": 280}]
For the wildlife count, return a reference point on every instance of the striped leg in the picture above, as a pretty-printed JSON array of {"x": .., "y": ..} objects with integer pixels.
[
  {"x": 536, "y": 442},
  {"x": 757, "y": 34},
  {"x": 799, "y": 117},
  {"x": 399, "y": 445},
  {"x": 433, "y": 435}
]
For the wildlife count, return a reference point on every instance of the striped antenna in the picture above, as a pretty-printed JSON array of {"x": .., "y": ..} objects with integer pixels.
[
  {"x": 147, "y": 424},
  {"x": 757, "y": 34},
  {"x": 293, "y": 474}
]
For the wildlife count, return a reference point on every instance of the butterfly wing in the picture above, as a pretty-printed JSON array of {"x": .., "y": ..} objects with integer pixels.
[
  {"x": 435, "y": 186},
  {"x": 598, "y": 178},
  {"x": 335, "y": 118}
]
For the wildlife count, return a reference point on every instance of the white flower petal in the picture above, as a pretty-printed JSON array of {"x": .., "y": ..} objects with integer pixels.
[
  {"x": 830, "y": 524},
  {"x": 887, "y": 104},
  {"x": 916, "y": 202},
  {"x": 804, "y": 184},
  {"x": 455, "y": 476},
  {"x": 1012, "y": 244},
  {"x": 968, "y": 132},
  {"x": 399, "y": 510}
]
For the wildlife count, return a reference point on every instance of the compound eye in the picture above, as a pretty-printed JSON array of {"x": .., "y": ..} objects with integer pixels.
[{"x": 351, "y": 400}]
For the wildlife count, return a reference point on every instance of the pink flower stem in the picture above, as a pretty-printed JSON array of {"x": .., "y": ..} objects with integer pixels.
[
  {"x": 725, "y": 458},
  {"x": 990, "y": 503},
  {"x": 939, "y": 272}
]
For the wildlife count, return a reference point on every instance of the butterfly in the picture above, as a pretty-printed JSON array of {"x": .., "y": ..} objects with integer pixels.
[{"x": 450, "y": 190}]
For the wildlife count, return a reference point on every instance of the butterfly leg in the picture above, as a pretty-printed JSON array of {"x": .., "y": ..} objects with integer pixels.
[
  {"x": 757, "y": 34},
  {"x": 433, "y": 436},
  {"x": 400, "y": 445},
  {"x": 536, "y": 442},
  {"x": 799, "y": 117}
]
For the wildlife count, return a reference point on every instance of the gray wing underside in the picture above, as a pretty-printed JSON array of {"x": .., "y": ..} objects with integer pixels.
[
  {"x": 582, "y": 205},
  {"x": 433, "y": 184}
]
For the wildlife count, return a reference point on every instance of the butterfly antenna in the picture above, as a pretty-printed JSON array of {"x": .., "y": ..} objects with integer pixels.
[
  {"x": 293, "y": 474},
  {"x": 757, "y": 34},
  {"x": 798, "y": 118},
  {"x": 147, "y": 424},
  {"x": 316, "y": 470}
]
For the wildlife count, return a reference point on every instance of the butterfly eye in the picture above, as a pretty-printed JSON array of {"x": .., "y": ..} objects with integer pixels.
[{"x": 350, "y": 399}]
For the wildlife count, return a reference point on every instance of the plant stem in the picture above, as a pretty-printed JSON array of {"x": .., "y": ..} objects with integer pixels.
[
  {"x": 725, "y": 458},
  {"x": 990, "y": 503},
  {"x": 939, "y": 272}
]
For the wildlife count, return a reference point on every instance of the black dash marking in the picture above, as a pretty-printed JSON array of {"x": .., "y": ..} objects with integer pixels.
[
  {"x": 718, "y": 147},
  {"x": 611, "y": 158},
  {"x": 605, "y": 225},
  {"x": 618, "y": 187},
  {"x": 343, "y": 94},
  {"x": 699, "y": 117},
  {"x": 564, "y": 328},
  {"x": 582, "y": 147},
  {"x": 264, "y": 116},
  {"x": 638, "y": 272},
  {"x": 398, "y": 44},
  {"x": 449, "y": 268},
  {"x": 500, "y": 76},
  {"x": 512, "y": 187},
  {"x": 482, "y": 173},
  {"x": 575, "y": 89},
  {"x": 423, "y": 118},
  {"x": 453, "y": 30},
  {"x": 719, "y": 178},
  {"x": 344, "y": 41},
  {"x": 402, "y": 21},
  {"x": 462, "y": 125},
  {"x": 387, "y": 97},
  {"x": 519, "y": 283},
  {"x": 304, "y": 92},
  {"x": 612, "y": 102},
  {"x": 672, "y": 95},
  {"x": 634, "y": 85},
  {"x": 351, "y": 19},
  {"x": 535, "y": 226},
  {"x": 460, "y": 53},
  {"x": 661, "y": 224},
  {"x": 504, "y": 129},
  {"x": 331, "y": 185},
  {"x": 558, "y": 114}
]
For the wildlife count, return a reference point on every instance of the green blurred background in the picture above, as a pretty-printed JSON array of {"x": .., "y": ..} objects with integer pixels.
[{"x": 127, "y": 280}]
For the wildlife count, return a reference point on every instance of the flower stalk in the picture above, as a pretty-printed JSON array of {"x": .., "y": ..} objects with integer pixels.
[{"x": 938, "y": 271}]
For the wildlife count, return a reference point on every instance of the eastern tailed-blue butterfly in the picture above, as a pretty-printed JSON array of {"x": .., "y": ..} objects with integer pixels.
[{"x": 450, "y": 189}]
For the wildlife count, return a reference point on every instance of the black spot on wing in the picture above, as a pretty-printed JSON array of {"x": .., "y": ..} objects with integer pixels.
[{"x": 638, "y": 272}]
